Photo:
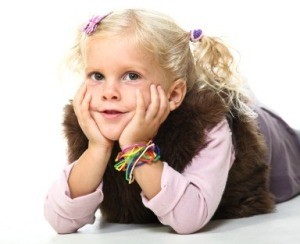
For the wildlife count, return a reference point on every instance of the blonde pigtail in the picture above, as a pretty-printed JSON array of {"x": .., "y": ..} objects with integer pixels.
[{"x": 216, "y": 69}]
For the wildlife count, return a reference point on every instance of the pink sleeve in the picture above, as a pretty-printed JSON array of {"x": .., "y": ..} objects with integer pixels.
[
  {"x": 188, "y": 201},
  {"x": 67, "y": 215}
]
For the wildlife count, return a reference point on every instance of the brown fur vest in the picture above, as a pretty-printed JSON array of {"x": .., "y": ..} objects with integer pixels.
[{"x": 180, "y": 137}]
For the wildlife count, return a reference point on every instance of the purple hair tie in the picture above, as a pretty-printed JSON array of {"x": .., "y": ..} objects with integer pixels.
[
  {"x": 91, "y": 26},
  {"x": 196, "y": 35}
]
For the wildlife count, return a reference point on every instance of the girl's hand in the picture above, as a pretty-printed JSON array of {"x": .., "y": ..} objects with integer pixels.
[
  {"x": 146, "y": 121},
  {"x": 92, "y": 163},
  {"x": 81, "y": 104}
]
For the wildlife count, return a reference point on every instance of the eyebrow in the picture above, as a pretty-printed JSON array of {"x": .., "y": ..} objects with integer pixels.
[{"x": 124, "y": 68}]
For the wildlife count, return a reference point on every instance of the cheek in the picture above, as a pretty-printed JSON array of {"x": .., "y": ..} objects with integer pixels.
[{"x": 92, "y": 85}]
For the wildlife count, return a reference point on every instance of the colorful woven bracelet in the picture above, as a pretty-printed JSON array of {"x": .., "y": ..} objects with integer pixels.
[{"x": 134, "y": 156}]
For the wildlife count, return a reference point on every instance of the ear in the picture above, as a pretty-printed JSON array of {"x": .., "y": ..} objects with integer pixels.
[{"x": 176, "y": 93}]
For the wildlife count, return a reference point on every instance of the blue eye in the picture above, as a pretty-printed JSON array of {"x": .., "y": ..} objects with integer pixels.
[
  {"x": 97, "y": 76},
  {"x": 131, "y": 76}
]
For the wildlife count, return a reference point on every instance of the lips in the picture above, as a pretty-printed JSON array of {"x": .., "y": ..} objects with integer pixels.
[{"x": 111, "y": 114}]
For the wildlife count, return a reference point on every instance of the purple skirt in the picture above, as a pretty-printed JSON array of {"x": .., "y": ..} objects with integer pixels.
[{"x": 284, "y": 154}]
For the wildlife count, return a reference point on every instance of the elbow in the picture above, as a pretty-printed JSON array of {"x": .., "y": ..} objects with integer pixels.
[
  {"x": 64, "y": 229},
  {"x": 189, "y": 221},
  {"x": 186, "y": 224},
  {"x": 61, "y": 227},
  {"x": 59, "y": 224},
  {"x": 186, "y": 229}
]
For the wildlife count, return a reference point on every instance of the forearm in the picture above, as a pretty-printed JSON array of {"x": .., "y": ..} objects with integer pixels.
[
  {"x": 148, "y": 176},
  {"x": 88, "y": 171},
  {"x": 62, "y": 212},
  {"x": 188, "y": 200},
  {"x": 183, "y": 202}
]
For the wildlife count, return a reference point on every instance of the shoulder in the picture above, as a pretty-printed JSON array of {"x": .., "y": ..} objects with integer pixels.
[
  {"x": 219, "y": 140},
  {"x": 221, "y": 128}
]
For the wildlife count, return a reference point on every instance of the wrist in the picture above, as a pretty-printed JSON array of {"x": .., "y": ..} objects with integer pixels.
[
  {"x": 149, "y": 177},
  {"x": 97, "y": 149},
  {"x": 127, "y": 145},
  {"x": 136, "y": 155},
  {"x": 144, "y": 169},
  {"x": 100, "y": 146}
]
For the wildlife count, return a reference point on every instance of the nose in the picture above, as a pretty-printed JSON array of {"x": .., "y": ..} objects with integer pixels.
[{"x": 111, "y": 91}]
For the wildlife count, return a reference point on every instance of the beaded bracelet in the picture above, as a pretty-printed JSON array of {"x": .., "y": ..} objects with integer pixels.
[{"x": 134, "y": 156}]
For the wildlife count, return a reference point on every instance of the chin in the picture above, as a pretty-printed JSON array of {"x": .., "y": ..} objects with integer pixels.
[{"x": 111, "y": 135}]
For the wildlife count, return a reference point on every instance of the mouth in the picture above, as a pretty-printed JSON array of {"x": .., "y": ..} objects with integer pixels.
[{"x": 111, "y": 114}]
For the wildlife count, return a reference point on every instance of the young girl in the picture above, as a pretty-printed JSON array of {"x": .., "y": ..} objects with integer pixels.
[{"x": 161, "y": 129}]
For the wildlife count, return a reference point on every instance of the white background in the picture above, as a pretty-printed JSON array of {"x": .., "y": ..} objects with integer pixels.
[{"x": 34, "y": 38}]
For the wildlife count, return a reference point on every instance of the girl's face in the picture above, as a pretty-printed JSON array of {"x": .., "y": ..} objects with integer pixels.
[{"x": 114, "y": 70}]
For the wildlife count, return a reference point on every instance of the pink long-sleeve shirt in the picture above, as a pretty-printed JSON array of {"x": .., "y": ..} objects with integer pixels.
[{"x": 186, "y": 202}]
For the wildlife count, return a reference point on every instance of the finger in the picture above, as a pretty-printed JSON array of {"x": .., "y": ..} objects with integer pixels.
[
  {"x": 85, "y": 117},
  {"x": 140, "y": 104},
  {"x": 85, "y": 106},
  {"x": 79, "y": 96},
  {"x": 86, "y": 101},
  {"x": 164, "y": 108},
  {"x": 80, "y": 92},
  {"x": 154, "y": 105}
]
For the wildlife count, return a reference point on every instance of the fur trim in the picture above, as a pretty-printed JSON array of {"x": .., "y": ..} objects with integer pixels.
[{"x": 247, "y": 190}]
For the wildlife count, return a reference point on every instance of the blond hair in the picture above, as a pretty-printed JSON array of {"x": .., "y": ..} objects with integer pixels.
[{"x": 208, "y": 62}]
